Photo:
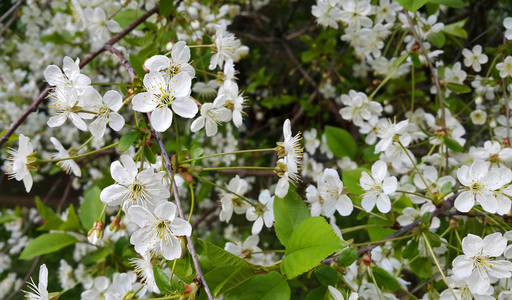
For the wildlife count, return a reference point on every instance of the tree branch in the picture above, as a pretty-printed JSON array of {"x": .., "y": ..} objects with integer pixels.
[
  {"x": 174, "y": 188},
  {"x": 84, "y": 62}
]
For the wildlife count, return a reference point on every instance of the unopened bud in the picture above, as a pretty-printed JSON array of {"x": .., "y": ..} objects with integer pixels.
[
  {"x": 96, "y": 233},
  {"x": 115, "y": 225}
]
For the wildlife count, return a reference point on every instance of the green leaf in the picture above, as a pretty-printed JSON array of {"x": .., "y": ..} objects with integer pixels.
[
  {"x": 347, "y": 257},
  {"x": 126, "y": 16},
  {"x": 91, "y": 208},
  {"x": 97, "y": 256},
  {"x": 72, "y": 223},
  {"x": 311, "y": 241},
  {"x": 137, "y": 62},
  {"x": 184, "y": 268},
  {"x": 449, "y": 3},
  {"x": 318, "y": 293},
  {"x": 456, "y": 29},
  {"x": 415, "y": 60},
  {"x": 351, "y": 178},
  {"x": 412, "y": 5},
  {"x": 161, "y": 280},
  {"x": 411, "y": 250},
  {"x": 340, "y": 142},
  {"x": 271, "y": 286},
  {"x": 326, "y": 275},
  {"x": 437, "y": 39},
  {"x": 149, "y": 155},
  {"x": 127, "y": 140},
  {"x": 458, "y": 88},
  {"x": 384, "y": 279},
  {"x": 381, "y": 231},
  {"x": 7, "y": 218},
  {"x": 166, "y": 7},
  {"x": 422, "y": 267},
  {"x": 47, "y": 243},
  {"x": 446, "y": 188},
  {"x": 453, "y": 145},
  {"x": 222, "y": 270},
  {"x": 51, "y": 219},
  {"x": 289, "y": 212}
]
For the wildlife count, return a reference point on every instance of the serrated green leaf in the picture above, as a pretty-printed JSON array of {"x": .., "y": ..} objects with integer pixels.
[
  {"x": 411, "y": 250},
  {"x": 166, "y": 7},
  {"x": 47, "y": 243},
  {"x": 385, "y": 280},
  {"x": 456, "y": 29},
  {"x": 161, "y": 280},
  {"x": 347, "y": 257},
  {"x": 127, "y": 140},
  {"x": 51, "y": 219},
  {"x": 311, "y": 241},
  {"x": 412, "y": 5},
  {"x": 437, "y": 39},
  {"x": 351, "y": 178},
  {"x": 453, "y": 145},
  {"x": 72, "y": 222},
  {"x": 91, "y": 208},
  {"x": 271, "y": 286},
  {"x": 326, "y": 275},
  {"x": 458, "y": 88},
  {"x": 289, "y": 212},
  {"x": 340, "y": 142},
  {"x": 219, "y": 265},
  {"x": 422, "y": 267},
  {"x": 97, "y": 256},
  {"x": 449, "y": 3}
]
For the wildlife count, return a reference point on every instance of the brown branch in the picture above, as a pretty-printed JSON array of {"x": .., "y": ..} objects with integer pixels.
[
  {"x": 84, "y": 62},
  {"x": 27, "y": 277},
  {"x": 447, "y": 205},
  {"x": 174, "y": 188},
  {"x": 246, "y": 173}
]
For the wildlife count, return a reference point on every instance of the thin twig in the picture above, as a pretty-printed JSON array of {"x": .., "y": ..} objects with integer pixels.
[
  {"x": 12, "y": 9},
  {"x": 27, "y": 277},
  {"x": 65, "y": 194},
  {"x": 433, "y": 73},
  {"x": 447, "y": 205},
  {"x": 84, "y": 62},
  {"x": 174, "y": 188}
]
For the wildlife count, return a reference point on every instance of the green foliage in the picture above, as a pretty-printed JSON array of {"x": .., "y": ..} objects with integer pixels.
[
  {"x": 412, "y": 5},
  {"x": 384, "y": 279},
  {"x": 270, "y": 286},
  {"x": 222, "y": 270},
  {"x": 326, "y": 275},
  {"x": 127, "y": 140},
  {"x": 47, "y": 243},
  {"x": 351, "y": 180},
  {"x": 289, "y": 212},
  {"x": 340, "y": 142},
  {"x": 91, "y": 208},
  {"x": 166, "y": 7},
  {"x": 51, "y": 220},
  {"x": 347, "y": 257},
  {"x": 311, "y": 241}
]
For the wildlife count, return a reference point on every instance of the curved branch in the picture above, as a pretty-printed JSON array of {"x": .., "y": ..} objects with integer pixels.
[{"x": 33, "y": 107}]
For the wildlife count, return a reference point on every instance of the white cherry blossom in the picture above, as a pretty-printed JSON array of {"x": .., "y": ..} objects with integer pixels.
[
  {"x": 479, "y": 263},
  {"x": 262, "y": 212},
  {"x": 162, "y": 92},
  {"x": 474, "y": 58},
  {"x": 378, "y": 187},
  {"x": 159, "y": 230},
  {"x": 20, "y": 162},
  {"x": 144, "y": 188}
]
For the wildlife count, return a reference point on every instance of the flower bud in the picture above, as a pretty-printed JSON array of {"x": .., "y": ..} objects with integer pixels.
[{"x": 96, "y": 233}]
